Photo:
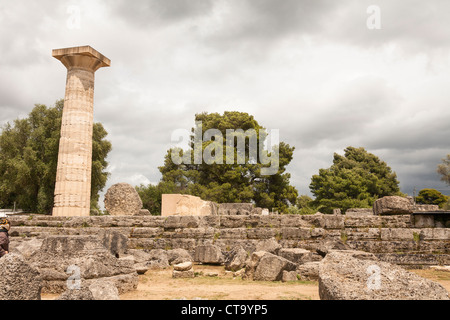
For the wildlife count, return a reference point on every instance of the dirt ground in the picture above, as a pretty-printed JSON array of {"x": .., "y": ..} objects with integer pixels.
[{"x": 159, "y": 285}]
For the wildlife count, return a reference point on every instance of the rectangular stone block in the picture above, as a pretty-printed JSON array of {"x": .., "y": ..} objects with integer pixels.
[
  {"x": 295, "y": 233},
  {"x": 261, "y": 233},
  {"x": 147, "y": 232},
  {"x": 233, "y": 233},
  {"x": 186, "y": 205},
  {"x": 176, "y": 222},
  {"x": 232, "y": 222}
]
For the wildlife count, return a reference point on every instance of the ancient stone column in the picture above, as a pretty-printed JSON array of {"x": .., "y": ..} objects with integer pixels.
[{"x": 73, "y": 178}]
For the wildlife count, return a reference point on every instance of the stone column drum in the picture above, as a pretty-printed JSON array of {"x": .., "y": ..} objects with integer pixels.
[{"x": 73, "y": 178}]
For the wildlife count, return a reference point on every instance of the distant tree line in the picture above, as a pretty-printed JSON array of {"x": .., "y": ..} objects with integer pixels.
[{"x": 29, "y": 154}]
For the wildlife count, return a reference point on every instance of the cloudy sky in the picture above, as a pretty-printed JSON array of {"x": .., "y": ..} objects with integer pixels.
[{"x": 328, "y": 74}]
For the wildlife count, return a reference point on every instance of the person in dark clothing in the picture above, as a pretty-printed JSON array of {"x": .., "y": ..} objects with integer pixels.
[{"x": 4, "y": 236}]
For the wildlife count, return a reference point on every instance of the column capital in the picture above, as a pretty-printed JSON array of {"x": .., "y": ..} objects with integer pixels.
[{"x": 84, "y": 57}]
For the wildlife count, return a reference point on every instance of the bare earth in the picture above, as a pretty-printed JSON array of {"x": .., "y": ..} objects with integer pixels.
[{"x": 159, "y": 285}]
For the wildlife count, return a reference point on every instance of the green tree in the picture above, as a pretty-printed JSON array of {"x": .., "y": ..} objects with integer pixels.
[
  {"x": 29, "y": 156},
  {"x": 304, "y": 201},
  {"x": 223, "y": 182},
  {"x": 304, "y": 206},
  {"x": 355, "y": 180},
  {"x": 151, "y": 195},
  {"x": 431, "y": 196},
  {"x": 444, "y": 170}
]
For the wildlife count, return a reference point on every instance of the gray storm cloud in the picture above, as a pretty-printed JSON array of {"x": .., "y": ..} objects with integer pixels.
[{"x": 311, "y": 69}]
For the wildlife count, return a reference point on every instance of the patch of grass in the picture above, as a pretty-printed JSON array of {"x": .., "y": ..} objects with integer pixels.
[
  {"x": 435, "y": 275},
  {"x": 344, "y": 237},
  {"x": 278, "y": 236},
  {"x": 416, "y": 237},
  {"x": 295, "y": 297}
]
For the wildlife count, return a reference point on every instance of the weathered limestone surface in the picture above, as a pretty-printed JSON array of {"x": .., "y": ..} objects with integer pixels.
[
  {"x": 265, "y": 266},
  {"x": 299, "y": 256},
  {"x": 353, "y": 275},
  {"x": 289, "y": 276},
  {"x": 20, "y": 280},
  {"x": 240, "y": 209},
  {"x": 308, "y": 271},
  {"x": 358, "y": 212},
  {"x": 186, "y": 205},
  {"x": 235, "y": 259},
  {"x": 73, "y": 178},
  {"x": 183, "y": 274},
  {"x": 104, "y": 290},
  {"x": 177, "y": 256},
  {"x": 382, "y": 235},
  {"x": 58, "y": 254},
  {"x": 96, "y": 290},
  {"x": 392, "y": 205},
  {"x": 185, "y": 266},
  {"x": 425, "y": 207},
  {"x": 83, "y": 294},
  {"x": 434, "y": 219},
  {"x": 210, "y": 254},
  {"x": 122, "y": 199}
]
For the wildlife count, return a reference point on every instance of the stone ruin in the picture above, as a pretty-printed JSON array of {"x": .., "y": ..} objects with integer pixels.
[
  {"x": 323, "y": 248},
  {"x": 122, "y": 199},
  {"x": 73, "y": 177},
  {"x": 105, "y": 254},
  {"x": 186, "y": 205},
  {"x": 55, "y": 263}
]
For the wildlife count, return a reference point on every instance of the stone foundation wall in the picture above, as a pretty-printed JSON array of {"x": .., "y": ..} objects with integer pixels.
[{"x": 391, "y": 238}]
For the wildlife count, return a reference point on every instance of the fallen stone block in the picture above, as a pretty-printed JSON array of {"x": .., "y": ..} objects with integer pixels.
[
  {"x": 289, "y": 276},
  {"x": 183, "y": 274},
  {"x": 186, "y": 205},
  {"x": 82, "y": 294},
  {"x": 19, "y": 279},
  {"x": 85, "y": 257},
  {"x": 208, "y": 254},
  {"x": 265, "y": 266},
  {"x": 104, "y": 290},
  {"x": 177, "y": 256},
  {"x": 271, "y": 267},
  {"x": 299, "y": 256},
  {"x": 329, "y": 245},
  {"x": 235, "y": 259},
  {"x": 352, "y": 275},
  {"x": 186, "y": 266},
  {"x": 269, "y": 245},
  {"x": 308, "y": 271},
  {"x": 122, "y": 199},
  {"x": 393, "y": 205}
]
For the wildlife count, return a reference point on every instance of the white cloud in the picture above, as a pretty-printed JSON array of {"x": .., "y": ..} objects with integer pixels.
[{"x": 309, "y": 68}]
